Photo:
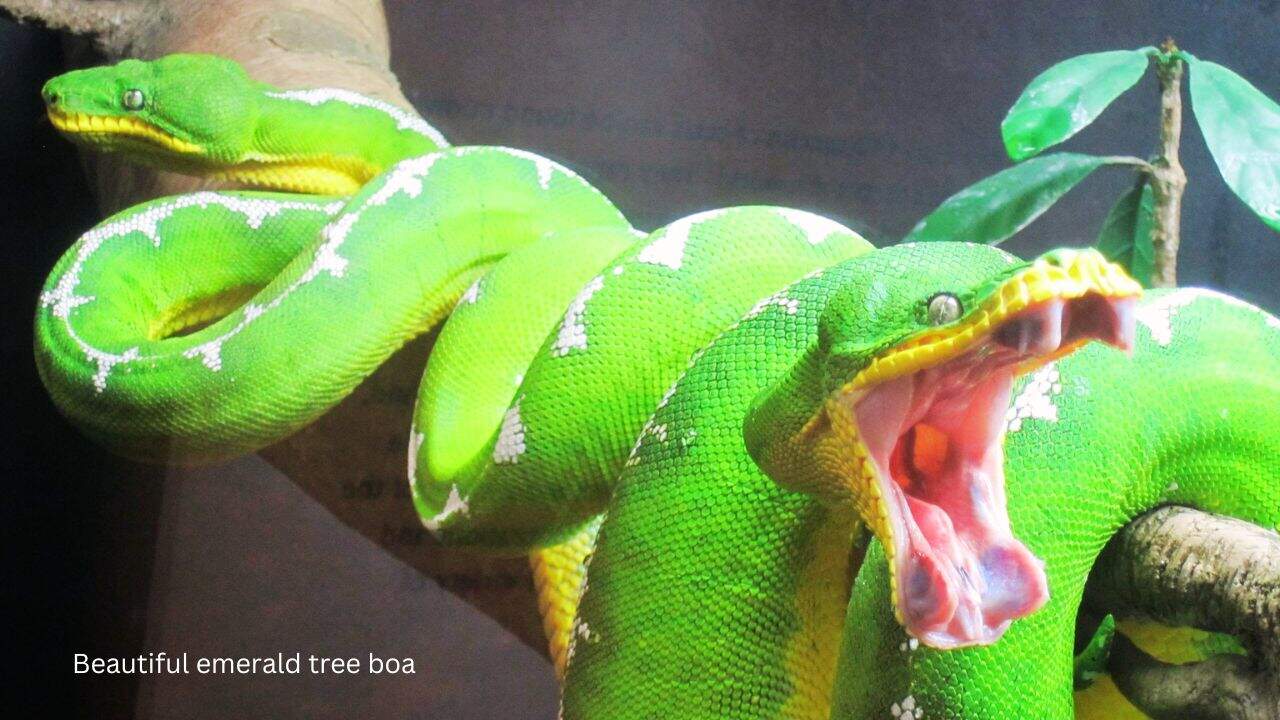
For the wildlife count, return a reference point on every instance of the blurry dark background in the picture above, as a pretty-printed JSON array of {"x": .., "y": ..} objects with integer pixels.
[{"x": 870, "y": 113}]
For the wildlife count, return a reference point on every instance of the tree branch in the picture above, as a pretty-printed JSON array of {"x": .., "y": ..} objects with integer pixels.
[
  {"x": 1224, "y": 687},
  {"x": 1168, "y": 180},
  {"x": 1182, "y": 567},
  {"x": 109, "y": 23}
]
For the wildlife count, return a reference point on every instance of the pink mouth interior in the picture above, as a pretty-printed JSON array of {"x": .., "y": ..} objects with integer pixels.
[{"x": 936, "y": 438}]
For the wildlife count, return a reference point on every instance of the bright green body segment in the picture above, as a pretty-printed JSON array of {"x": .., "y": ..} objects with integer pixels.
[
  {"x": 472, "y": 378},
  {"x": 325, "y": 318},
  {"x": 723, "y": 590},
  {"x": 713, "y": 591},
  {"x": 551, "y": 461}
]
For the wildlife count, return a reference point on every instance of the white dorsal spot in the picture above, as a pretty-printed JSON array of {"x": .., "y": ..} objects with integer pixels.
[
  {"x": 652, "y": 429},
  {"x": 1035, "y": 402},
  {"x": 106, "y": 361},
  {"x": 472, "y": 294},
  {"x": 573, "y": 328},
  {"x": 816, "y": 228},
  {"x": 510, "y": 445},
  {"x": 668, "y": 248},
  {"x": 404, "y": 177},
  {"x": 328, "y": 260},
  {"x": 544, "y": 167},
  {"x": 210, "y": 354},
  {"x": 780, "y": 299}
]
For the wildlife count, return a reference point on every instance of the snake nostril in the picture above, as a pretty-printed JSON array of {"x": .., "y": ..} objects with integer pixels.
[{"x": 51, "y": 97}]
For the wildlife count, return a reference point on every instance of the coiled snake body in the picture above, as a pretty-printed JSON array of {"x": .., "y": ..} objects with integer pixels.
[{"x": 872, "y": 387}]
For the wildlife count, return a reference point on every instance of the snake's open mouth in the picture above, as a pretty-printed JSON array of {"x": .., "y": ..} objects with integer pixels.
[{"x": 933, "y": 442}]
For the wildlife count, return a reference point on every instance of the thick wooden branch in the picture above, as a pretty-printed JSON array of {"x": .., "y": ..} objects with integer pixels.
[
  {"x": 1183, "y": 567},
  {"x": 112, "y": 24},
  {"x": 1224, "y": 687}
]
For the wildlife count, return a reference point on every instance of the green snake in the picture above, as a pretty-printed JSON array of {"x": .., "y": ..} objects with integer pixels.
[{"x": 810, "y": 392}]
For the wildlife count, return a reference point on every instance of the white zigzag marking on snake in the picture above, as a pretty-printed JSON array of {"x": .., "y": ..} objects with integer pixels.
[
  {"x": 816, "y": 228},
  {"x": 415, "y": 445},
  {"x": 1158, "y": 314},
  {"x": 543, "y": 166},
  {"x": 573, "y": 329},
  {"x": 648, "y": 429},
  {"x": 510, "y": 445},
  {"x": 62, "y": 299},
  {"x": 669, "y": 248},
  {"x": 404, "y": 119},
  {"x": 404, "y": 178},
  {"x": 452, "y": 504}
]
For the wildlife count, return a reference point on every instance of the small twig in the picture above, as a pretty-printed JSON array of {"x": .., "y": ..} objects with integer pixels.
[
  {"x": 1183, "y": 567},
  {"x": 1136, "y": 162},
  {"x": 1168, "y": 180},
  {"x": 110, "y": 23}
]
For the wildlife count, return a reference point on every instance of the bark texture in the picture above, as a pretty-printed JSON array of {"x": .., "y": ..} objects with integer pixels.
[
  {"x": 1182, "y": 567},
  {"x": 1168, "y": 180}
]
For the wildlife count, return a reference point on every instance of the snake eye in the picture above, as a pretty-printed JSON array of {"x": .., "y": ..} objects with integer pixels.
[
  {"x": 133, "y": 99},
  {"x": 944, "y": 308}
]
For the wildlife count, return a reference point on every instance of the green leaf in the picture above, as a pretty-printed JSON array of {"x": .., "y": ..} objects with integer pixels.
[
  {"x": 993, "y": 209},
  {"x": 1062, "y": 100},
  {"x": 1091, "y": 663},
  {"x": 1126, "y": 233},
  {"x": 1242, "y": 128}
]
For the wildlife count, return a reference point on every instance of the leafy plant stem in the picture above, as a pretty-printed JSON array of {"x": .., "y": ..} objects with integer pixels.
[{"x": 1168, "y": 180}]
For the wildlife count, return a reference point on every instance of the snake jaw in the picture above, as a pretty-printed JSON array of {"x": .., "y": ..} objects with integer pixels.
[
  {"x": 102, "y": 130},
  {"x": 934, "y": 455},
  {"x": 927, "y": 443}
]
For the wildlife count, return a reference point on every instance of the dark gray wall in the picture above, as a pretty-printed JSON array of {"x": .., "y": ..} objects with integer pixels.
[{"x": 868, "y": 112}]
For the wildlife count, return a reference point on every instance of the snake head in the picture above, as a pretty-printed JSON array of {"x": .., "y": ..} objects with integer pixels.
[
  {"x": 915, "y": 363},
  {"x": 187, "y": 112}
]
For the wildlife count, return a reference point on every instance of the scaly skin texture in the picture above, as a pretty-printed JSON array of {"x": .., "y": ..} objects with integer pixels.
[
  {"x": 309, "y": 295},
  {"x": 213, "y": 324},
  {"x": 723, "y": 590}
]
